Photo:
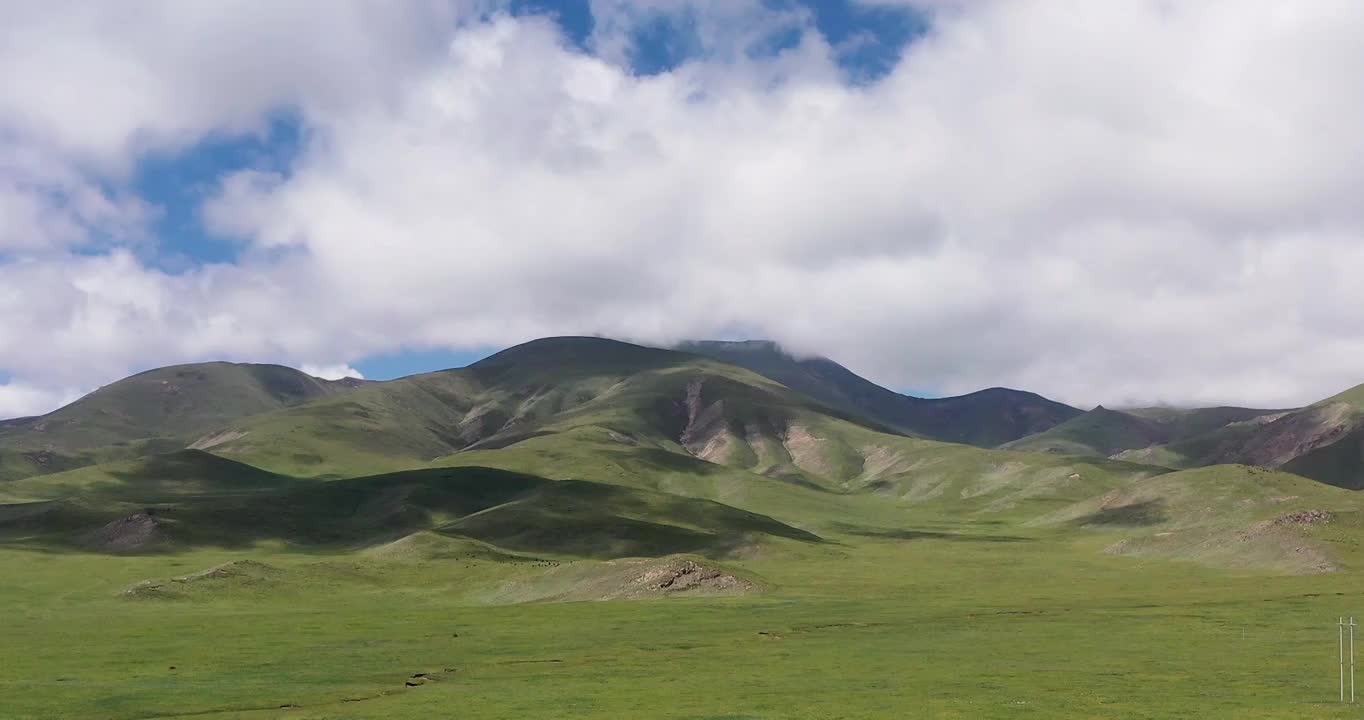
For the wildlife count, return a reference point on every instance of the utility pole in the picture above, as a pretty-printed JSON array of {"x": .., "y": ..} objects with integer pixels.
[{"x": 1341, "y": 624}]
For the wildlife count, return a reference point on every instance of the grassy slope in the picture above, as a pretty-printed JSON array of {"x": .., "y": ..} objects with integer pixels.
[
  {"x": 1182, "y": 423},
  {"x": 1105, "y": 433},
  {"x": 511, "y": 510},
  {"x": 1320, "y": 441},
  {"x": 147, "y": 479},
  {"x": 930, "y": 484},
  {"x": 387, "y": 426},
  {"x": 1099, "y": 433},
  {"x": 1224, "y": 515},
  {"x": 176, "y": 403},
  {"x": 546, "y": 386},
  {"x": 986, "y": 418},
  {"x": 599, "y": 411}
]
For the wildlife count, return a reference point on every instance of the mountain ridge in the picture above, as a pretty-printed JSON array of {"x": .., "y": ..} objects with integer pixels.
[
  {"x": 161, "y": 404},
  {"x": 984, "y": 418}
]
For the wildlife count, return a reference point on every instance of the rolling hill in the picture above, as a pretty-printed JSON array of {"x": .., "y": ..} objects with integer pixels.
[
  {"x": 1321, "y": 441},
  {"x": 675, "y": 402},
  {"x": 149, "y": 478},
  {"x": 986, "y": 418},
  {"x": 155, "y": 411},
  {"x": 601, "y": 410},
  {"x": 1103, "y": 433},
  {"x": 588, "y": 447},
  {"x": 513, "y": 511}
]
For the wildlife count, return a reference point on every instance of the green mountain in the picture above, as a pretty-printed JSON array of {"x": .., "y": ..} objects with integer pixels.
[
  {"x": 155, "y": 411},
  {"x": 1183, "y": 423},
  {"x": 1103, "y": 433},
  {"x": 1320, "y": 441},
  {"x": 600, "y": 410},
  {"x": 1100, "y": 432},
  {"x": 659, "y": 430},
  {"x": 986, "y": 418},
  {"x": 678, "y": 403}
]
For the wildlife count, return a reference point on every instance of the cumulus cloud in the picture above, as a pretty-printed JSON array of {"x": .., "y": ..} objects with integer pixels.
[
  {"x": 1105, "y": 202},
  {"x": 332, "y": 372},
  {"x": 18, "y": 400}
]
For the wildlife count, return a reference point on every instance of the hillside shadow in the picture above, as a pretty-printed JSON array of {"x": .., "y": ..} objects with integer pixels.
[
  {"x": 907, "y": 534},
  {"x": 1141, "y": 514},
  {"x": 658, "y": 460},
  {"x": 512, "y": 510}
]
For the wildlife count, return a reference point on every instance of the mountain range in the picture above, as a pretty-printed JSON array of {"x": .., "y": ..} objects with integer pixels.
[{"x": 605, "y": 448}]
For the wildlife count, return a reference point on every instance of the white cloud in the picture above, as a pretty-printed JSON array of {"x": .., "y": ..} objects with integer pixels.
[
  {"x": 22, "y": 400},
  {"x": 89, "y": 85},
  {"x": 1102, "y": 202},
  {"x": 332, "y": 372},
  {"x": 97, "y": 80}
]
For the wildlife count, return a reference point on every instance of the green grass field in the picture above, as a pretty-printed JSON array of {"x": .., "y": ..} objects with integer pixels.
[
  {"x": 937, "y": 625},
  {"x": 897, "y": 611}
]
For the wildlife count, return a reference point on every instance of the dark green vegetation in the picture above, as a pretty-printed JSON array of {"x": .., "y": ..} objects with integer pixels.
[
  {"x": 428, "y": 547},
  {"x": 157, "y": 410},
  {"x": 986, "y": 418},
  {"x": 1322, "y": 441},
  {"x": 1104, "y": 433}
]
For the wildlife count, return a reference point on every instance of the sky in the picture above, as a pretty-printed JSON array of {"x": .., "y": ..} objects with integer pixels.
[{"x": 1129, "y": 202}]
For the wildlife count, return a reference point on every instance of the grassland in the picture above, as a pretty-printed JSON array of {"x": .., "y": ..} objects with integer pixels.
[
  {"x": 1176, "y": 434},
  {"x": 937, "y": 625},
  {"x": 955, "y": 606}
]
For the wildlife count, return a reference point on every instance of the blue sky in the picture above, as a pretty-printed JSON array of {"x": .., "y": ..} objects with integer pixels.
[{"x": 867, "y": 39}]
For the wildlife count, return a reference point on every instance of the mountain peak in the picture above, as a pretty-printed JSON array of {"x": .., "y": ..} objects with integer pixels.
[
  {"x": 177, "y": 400},
  {"x": 575, "y": 351}
]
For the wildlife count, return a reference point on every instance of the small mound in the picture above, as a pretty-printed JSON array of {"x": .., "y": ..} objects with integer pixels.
[
  {"x": 152, "y": 590},
  {"x": 426, "y": 545},
  {"x": 635, "y": 579},
  {"x": 234, "y": 574},
  {"x": 692, "y": 576},
  {"x": 249, "y": 570},
  {"x": 632, "y": 579},
  {"x": 139, "y": 531}
]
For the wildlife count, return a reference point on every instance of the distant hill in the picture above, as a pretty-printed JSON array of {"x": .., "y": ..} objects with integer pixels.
[
  {"x": 125, "y": 418},
  {"x": 676, "y": 402},
  {"x": 1321, "y": 441},
  {"x": 595, "y": 448},
  {"x": 636, "y": 437},
  {"x": 986, "y": 418},
  {"x": 601, "y": 410},
  {"x": 1102, "y": 432}
]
